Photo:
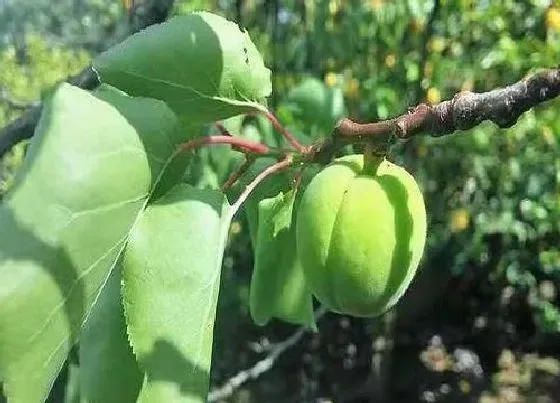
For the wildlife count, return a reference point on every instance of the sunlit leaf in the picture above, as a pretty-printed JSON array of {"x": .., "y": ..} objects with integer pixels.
[
  {"x": 89, "y": 172},
  {"x": 207, "y": 70},
  {"x": 171, "y": 273}
]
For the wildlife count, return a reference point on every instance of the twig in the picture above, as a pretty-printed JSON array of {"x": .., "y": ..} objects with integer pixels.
[
  {"x": 286, "y": 162},
  {"x": 225, "y": 132},
  {"x": 152, "y": 12},
  {"x": 466, "y": 110},
  {"x": 285, "y": 132},
  {"x": 261, "y": 366},
  {"x": 238, "y": 173},
  {"x": 243, "y": 144},
  {"x": 222, "y": 129},
  {"x": 19, "y": 129}
]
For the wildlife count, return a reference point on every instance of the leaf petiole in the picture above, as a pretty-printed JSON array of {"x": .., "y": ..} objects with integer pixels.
[{"x": 272, "y": 169}]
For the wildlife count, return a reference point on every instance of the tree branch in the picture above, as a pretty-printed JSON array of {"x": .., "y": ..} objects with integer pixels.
[
  {"x": 503, "y": 106},
  {"x": 149, "y": 13},
  {"x": 261, "y": 366}
]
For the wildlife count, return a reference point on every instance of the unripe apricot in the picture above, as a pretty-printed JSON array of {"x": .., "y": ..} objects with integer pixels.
[{"x": 360, "y": 235}]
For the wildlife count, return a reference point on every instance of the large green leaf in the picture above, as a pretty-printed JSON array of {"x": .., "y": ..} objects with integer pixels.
[
  {"x": 108, "y": 370},
  {"x": 203, "y": 66},
  {"x": 171, "y": 282},
  {"x": 278, "y": 286},
  {"x": 89, "y": 172}
]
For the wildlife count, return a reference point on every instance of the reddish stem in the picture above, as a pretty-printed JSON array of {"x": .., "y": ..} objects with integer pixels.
[
  {"x": 243, "y": 144},
  {"x": 237, "y": 174},
  {"x": 286, "y": 162},
  {"x": 222, "y": 129},
  {"x": 285, "y": 132}
]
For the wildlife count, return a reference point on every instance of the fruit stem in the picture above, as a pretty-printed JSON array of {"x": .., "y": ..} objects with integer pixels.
[
  {"x": 285, "y": 132},
  {"x": 282, "y": 164},
  {"x": 238, "y": 173},
  {"x": 373, "y": 156}
]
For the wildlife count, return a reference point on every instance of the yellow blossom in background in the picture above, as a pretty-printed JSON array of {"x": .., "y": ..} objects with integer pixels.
[
  {"x": 334, "y": 7},
  {"x": 375, "y": 4},
  {"x": 331, "y": 79},
  {"x": 390, "y": 61},
  {"x": 352, "y": 87},
  {"x": 468, "y": 85},
  {"x": 46, "y": 65},
  {"x": 464, "y": 386},
  {"x": 417, "y": 25},
  {"x": 433, "y": 96},
  {"x": 487, "y": 398},
  {"x": 127, "y": 4},
  {"x": 436, "y": 45},
  {"x": 553, "y": 19},
  {"x": 459, "y": 220},
  {"x": 235, "y": 228},
  {"x": 428, "y": 69},
  {"x": 548, "y": 135}
]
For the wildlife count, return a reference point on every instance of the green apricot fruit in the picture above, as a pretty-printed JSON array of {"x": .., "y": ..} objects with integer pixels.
[{"x": 360, "y": 235}]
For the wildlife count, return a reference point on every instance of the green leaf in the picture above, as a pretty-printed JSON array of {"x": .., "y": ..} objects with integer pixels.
[
  {"x": 171, "y": 282},
  {"x": 269, "y": 187},
  {"x": 160, "y": 134},
  {"x": 72, "y": 392},
  {"x": 316, "y": 105},
  {"x": 278, "y": 286},
  {"x": 282, "y": 210},
  {"x": 202, "y": 65},
  {"x": 108, "y": 370},
  {"x": 90, "y": 170}
]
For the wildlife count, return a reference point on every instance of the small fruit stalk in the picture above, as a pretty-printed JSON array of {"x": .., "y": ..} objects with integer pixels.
[{"x": 360, "y": 234}]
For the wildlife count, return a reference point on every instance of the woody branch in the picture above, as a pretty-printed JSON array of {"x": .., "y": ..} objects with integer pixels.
[{"x": 465, "y": 110}]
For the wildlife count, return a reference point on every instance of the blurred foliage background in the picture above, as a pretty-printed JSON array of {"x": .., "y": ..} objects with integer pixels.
[{"x": 481, "y": 323}]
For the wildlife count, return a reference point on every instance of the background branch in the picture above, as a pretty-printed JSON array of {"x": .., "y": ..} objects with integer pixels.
[
  {"x": 262, "y": 366},
  {"x": 141, "y": 16}
]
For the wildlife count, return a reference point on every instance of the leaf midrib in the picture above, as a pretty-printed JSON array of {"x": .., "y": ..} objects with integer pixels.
[{"x": 123, "y": 240}]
